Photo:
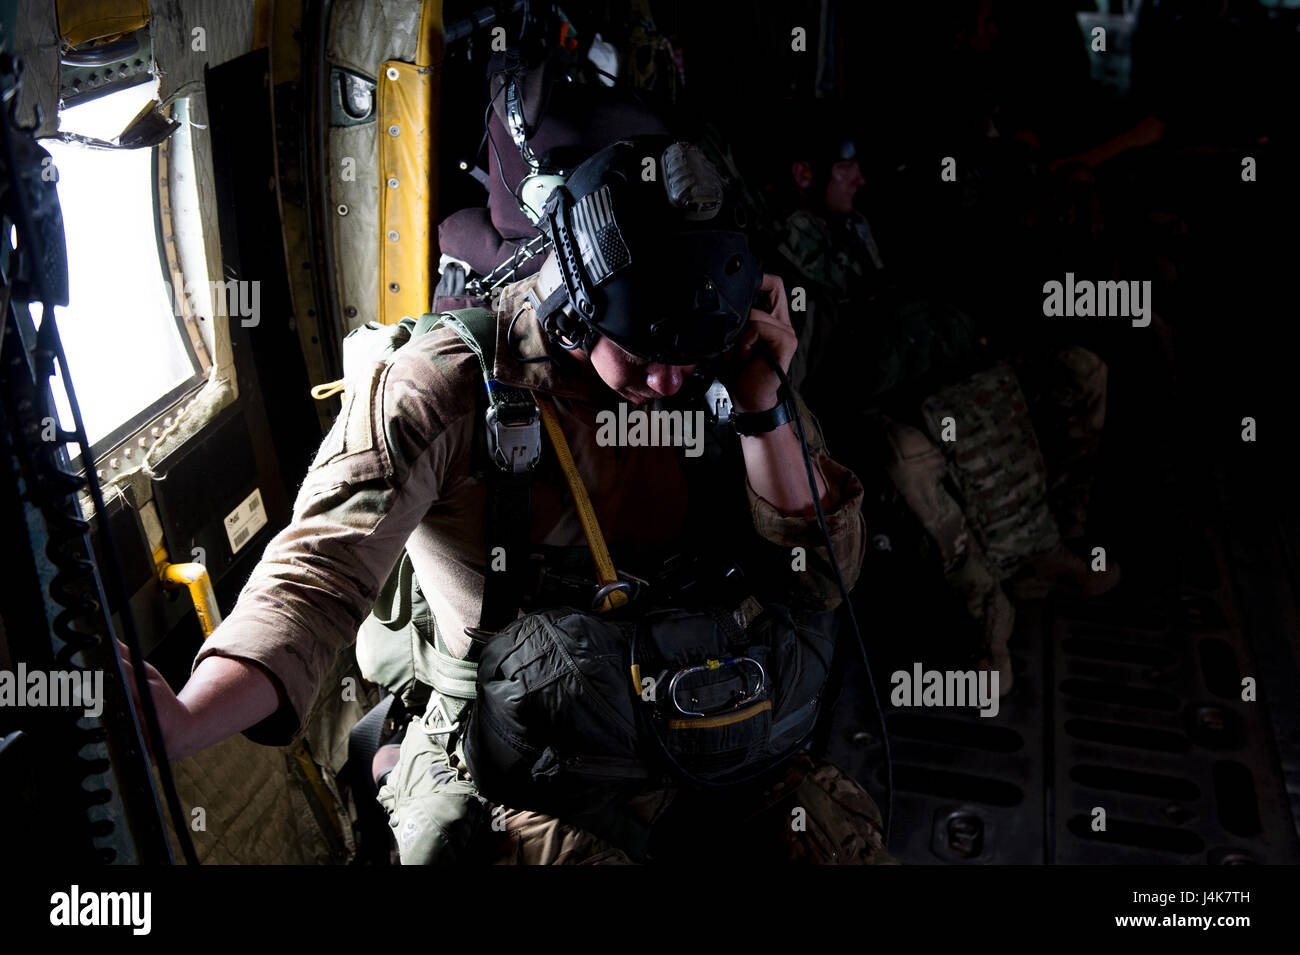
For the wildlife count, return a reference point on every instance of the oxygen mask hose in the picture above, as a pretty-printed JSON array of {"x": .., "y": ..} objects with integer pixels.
[{"x": 788, "y": 392}]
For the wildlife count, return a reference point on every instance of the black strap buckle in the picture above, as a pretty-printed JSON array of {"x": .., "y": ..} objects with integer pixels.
[{"x": 750, "y": 423}]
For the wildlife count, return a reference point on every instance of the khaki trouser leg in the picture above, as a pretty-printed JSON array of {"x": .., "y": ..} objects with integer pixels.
[
  {"x": 438, "y": 817},
  {"x": 530, "y": 838}
]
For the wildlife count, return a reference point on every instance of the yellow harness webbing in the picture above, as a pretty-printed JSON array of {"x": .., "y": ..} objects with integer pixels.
[{"x": 605, "y": 572}]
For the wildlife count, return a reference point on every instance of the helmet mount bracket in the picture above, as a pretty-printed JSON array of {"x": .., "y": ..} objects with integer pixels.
[
  {"x": 688, "y": 297},
  {"x": 573, "y": 319}
]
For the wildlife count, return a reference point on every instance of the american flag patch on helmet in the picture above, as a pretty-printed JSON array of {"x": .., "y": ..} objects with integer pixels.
[{"x": 600, "y": 243}]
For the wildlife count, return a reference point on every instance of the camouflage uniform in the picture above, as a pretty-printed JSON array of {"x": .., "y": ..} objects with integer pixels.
[
  {"x": 899, "y": 337},
  {"x": 1005, "y": 520},
  {"x": 1068, "y": 398},
  {"x": 811, "y": 814},
  {"x": 995, "y": 460},
  {"x": 396, "y": 470},
  {"x": 988, "y": 500},
  {"x": 919, "y": 471},
  {"x": 831, "y": 272}
]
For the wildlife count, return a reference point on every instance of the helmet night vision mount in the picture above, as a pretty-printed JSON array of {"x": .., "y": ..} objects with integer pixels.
[{"x": 652, "y": 253}]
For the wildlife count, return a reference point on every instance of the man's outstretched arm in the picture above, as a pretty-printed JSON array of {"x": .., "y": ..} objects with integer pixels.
[
  {"x": 374, "y": 478},
  {"x": 222, "y": 697}
]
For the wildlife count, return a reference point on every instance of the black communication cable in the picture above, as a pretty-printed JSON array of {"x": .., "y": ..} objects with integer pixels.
[
  {"x": 487, "y": 131},
  {"x": 839, "y": 580},
  {"x": 511, "y": 343}
]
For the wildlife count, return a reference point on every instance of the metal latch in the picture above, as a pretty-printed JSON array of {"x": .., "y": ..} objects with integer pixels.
[
  {"x": 754, "y": 688},
  {"x": 514, "y": 429}
]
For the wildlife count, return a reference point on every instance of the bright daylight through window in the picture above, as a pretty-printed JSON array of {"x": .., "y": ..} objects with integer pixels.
[{"x": 124, "y": 344}]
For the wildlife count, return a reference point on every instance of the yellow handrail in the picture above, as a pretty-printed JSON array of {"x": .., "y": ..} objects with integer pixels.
[
  {"x": 198, "y": 581},
  {"x": 195, "y": 577}
]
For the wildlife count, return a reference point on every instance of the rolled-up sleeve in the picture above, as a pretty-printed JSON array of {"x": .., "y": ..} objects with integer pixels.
[
  {"x": 810, "y": 581},
  {"x": 383, "y": 463}
]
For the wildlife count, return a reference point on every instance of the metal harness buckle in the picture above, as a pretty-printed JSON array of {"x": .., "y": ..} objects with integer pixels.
[
  {"x": 608, "y": 589},
  {"x": 439, "y": 708},
  {"x": 514, "y": 429}
]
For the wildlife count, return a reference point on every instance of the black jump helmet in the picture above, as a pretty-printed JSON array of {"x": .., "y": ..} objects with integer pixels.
[{"x": 653, "y": 251}]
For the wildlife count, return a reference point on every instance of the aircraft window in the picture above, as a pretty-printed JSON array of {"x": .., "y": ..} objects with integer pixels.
[{"x": 128, "y": 354}]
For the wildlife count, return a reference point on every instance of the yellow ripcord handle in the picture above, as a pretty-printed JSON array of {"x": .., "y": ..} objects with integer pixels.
[{"x": 605, "y": 572}]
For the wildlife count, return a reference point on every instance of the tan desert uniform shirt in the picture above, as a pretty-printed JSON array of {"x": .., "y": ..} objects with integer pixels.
[{"x": 395, "y": 470}]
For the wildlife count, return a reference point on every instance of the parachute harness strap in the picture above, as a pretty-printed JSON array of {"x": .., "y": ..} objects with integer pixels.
[
  {"x": 459, "y": 327},
  {"x": 613, "y": 593}
]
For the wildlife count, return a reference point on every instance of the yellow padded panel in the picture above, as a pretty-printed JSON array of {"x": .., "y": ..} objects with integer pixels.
[
  {"x": 81, "y": 21},
  {"x": 406, "y": 136}
]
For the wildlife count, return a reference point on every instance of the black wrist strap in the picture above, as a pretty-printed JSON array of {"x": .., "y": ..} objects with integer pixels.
[{"x": 750, "y": 423}]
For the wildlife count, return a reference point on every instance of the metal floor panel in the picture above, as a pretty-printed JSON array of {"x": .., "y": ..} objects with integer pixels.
[
  {"x": 1162, "y": 741},
  {"x": 1142, "y": 717}
]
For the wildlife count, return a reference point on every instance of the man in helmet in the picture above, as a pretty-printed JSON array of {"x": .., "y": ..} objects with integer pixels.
[
  {"x": 650, "y": 281},
  {"x": 824, "y": 246},
  {"x": 887, "y": 365}
]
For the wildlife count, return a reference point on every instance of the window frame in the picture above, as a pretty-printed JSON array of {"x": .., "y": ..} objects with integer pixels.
[{"x": 140, "y": 425}]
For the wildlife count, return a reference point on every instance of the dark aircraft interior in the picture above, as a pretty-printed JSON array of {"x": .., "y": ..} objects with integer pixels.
[{"x": 221, "y": 203}]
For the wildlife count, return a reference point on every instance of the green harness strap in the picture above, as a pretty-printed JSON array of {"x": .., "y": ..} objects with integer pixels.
[{"x": 507, "y": 521}]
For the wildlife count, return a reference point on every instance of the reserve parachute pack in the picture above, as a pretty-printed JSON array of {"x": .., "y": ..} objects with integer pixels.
[
  {"x": 567, "y": 709},
  {"x": 577, "y": 713}
]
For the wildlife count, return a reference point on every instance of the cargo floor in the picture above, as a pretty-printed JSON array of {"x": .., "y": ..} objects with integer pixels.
[{"x": 1129, "y": 705}]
